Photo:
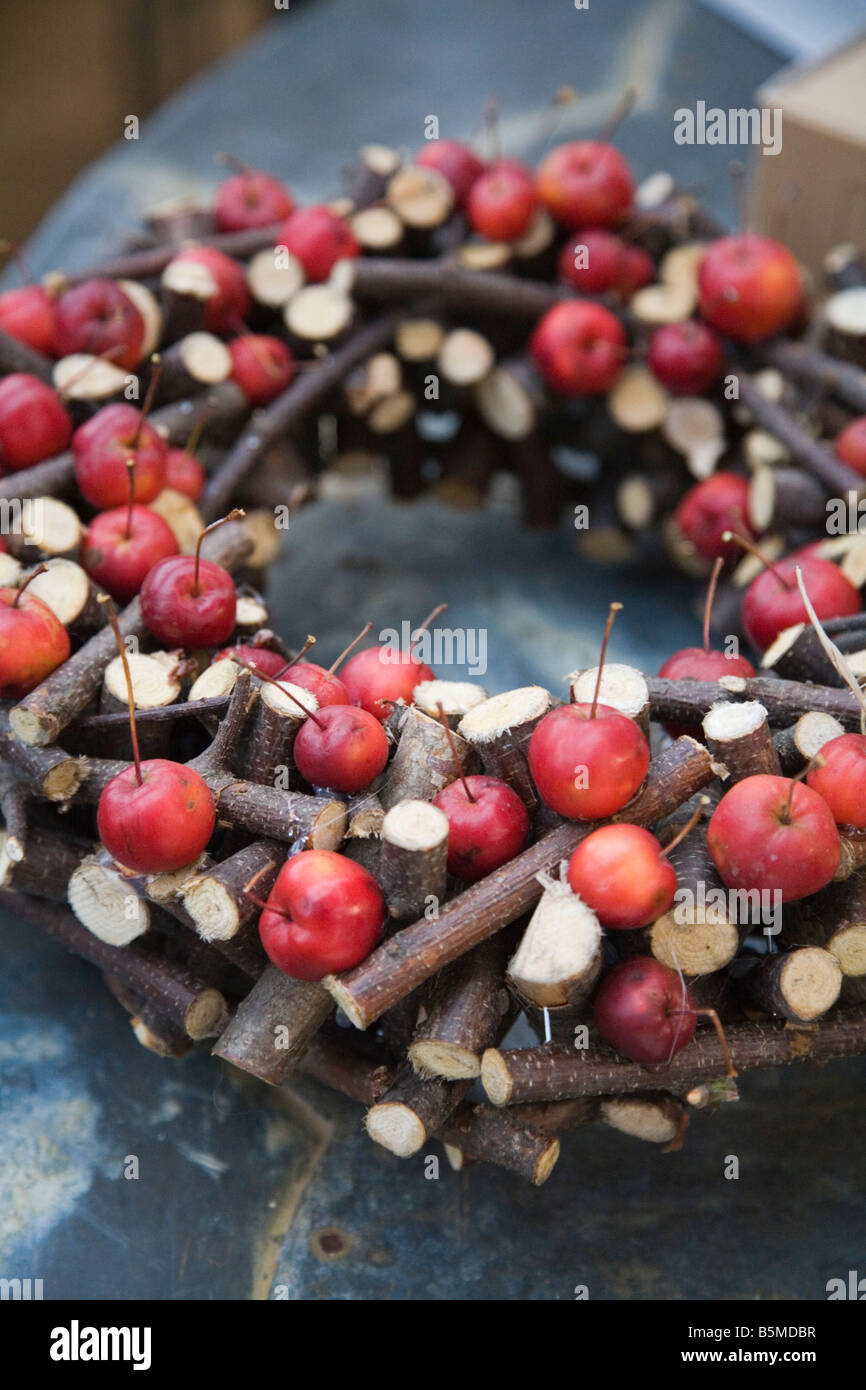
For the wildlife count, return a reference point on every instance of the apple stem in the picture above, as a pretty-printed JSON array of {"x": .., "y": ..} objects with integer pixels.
[
  {"x": 455, "y": 753},
  {"x": 434, "y": 613},
  {"x": 687, "y": 828},
  {"x": 236, "y": 514},
  {"x": 272, "y": 680},
  {"x": 231, "y": 161},
  {"x": 130, "y": 477},
  {"x": 194, "y": 439},
  {"x": 299, "y": 656},
  {"x": 624, "y": 108},
  {"x": 711, "y": 1014},
  {"x": 127, "y": 676},
  {"x": 491, "y": 131},
  {"x": 816, "y": 760},
  {"x": 332, "y": 670},
  {"x": 40, "y": 569},
  {"x": 758, "y": 554},
  {"x": 551, "y": 115},
  {"x": 148, "y": 399},
  {"x": 711, "y": 595},
  {"x": 611, "y": 619}
]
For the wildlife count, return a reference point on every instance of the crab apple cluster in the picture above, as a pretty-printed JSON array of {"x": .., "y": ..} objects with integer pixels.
[
  {"x": 99, "y": 317},
  {"x": 318, "y": 237},
  {"x": 102, "y": 448},
  {"x": 487, "y": 825},
  {"x": 33, "y": 641},
  {"x": 250, "y": 199},
  {"x": 644, "y": 1010},
  {"x": 502, "y": 200},
  {"x": 774, "y": 833},
  {"x": 34, "y": 424},
  {"x": 579, "y": 348},
  {"x": 749, "y": 287},
  {"x": 455, "y": 161},
  {"x": 324, "y": 914}
]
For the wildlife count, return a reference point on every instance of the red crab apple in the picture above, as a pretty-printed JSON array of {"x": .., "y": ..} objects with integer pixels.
[
  {"x": 487, "y": 825},
  {"x": 262, "y": 366},
  {"x": 851, "y": 444},
  {"x": 702, "y": 663},
  {"x": 378, "y": 677},
  {"x": 686, "y": 357},
  {"x": 645, "y": 1011},
  {"x": 587, "y": 760},
  {"x": 624, "y": 874},
  {"x": 261, "y": 660},
  {"x": 27, "y": 314},
  {"x": 318, "y": 238},
  {"x": 592, "y": 261},
  {"x": 749, "y": 287},
  {"x": 250, "y": 198},
  {"x": 637, "y": 268},
  {"x": 122, "y": 545},
  {"x": 324, "y": 914},
  {"x": 454, "y": 161},
  {"x": 341, "y": 747},
  {"x": 773, "y": 833},
  {"x": 155, "y": 816},
  {"x": 579, "y": 348},
  {"x": 841, "y": 779},
  {"x": 184, "y": 473},
  {"x": 586, "y": 183},
  {"x": 33, "y": 641},
  {"x": 773, "y": 601},
  {"x": 324, "y": 684},
  {"x": 101, "y": 448},
  {"x": 99, "y": 318},
  {"x": 502, "y": 200},
  {"x": 190, "y": 602},
  {"x": 231, "y": 302},
  {"x": 709, "y": 509},
  {"x": 33, "y": 422}
]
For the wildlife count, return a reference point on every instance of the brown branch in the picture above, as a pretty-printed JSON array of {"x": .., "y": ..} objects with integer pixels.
[
  {"x": 686, "y": 702},
  {"x": 806, "y": 363},
  {"x": 147, "y": 265},
  {"x": 779, "y": 422},
  {"x": 274, "y": 1025},
  {"x": 16, "y": 356}
]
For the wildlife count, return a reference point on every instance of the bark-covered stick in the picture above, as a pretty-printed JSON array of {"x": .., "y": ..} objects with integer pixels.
[
  {"x": 332, "y": 1060},
  {"x": 16, "y": 356},
  {"x": 699, "y": 934},
  {"x": 463, "y": 1014},
  {"x": 412, "y": 1110},
  {"x": 274, "y": 1025},
  {"x": 395, "y": 968},
  {"x": 50, "y": 771},
  {"x": 778, "y": 421},
  {"x": 423, "y": 763},
  {"x": 483, "y": 1134},
  {"x": 499, "y": 729},
  {"x": 559, "y": 959},
  {"x": 413, "y": 857},
  {"x": 739, "y": 736},
  {"x": 800, "y": 985},
  {"x": 555, "y": 1072},
  {"x": 798, "y": 744},
  {"x": 215, "y": 899},
  {"x": 43, "y": 864},
  {"x": 687, "y": 701},
  {"x": 805, "y": 363}
]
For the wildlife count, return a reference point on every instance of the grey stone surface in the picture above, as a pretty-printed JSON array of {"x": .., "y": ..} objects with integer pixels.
[{"x": 225, "y": 1168}]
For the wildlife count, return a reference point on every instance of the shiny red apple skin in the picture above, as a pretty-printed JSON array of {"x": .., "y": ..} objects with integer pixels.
[
  {"x": 749, "y": 287},
  {"x": 266, "y": 662},
  {"x": 698, "y": 664},
  {"x": 33, "y": 643},
  {"x": 378, "y": 677},
  {"x": 27, "y": 314},
  {"x": 327, "y": 688},
  {"x": 98, "y": 317},
  {"x": 179, "y": 612},
  {"x": 262, "y": 366},
  {"x": 769, "y": 606},
  {"x": 603, "y": 254},
  {"x": 501, "y": 202},
  {"x": 580, "y": 348},
  {"x": 34, "y": 424},
  {"x": 231, "y": 303},
  {"x": 851, "y": 445},
  {"x": 714, "y": 505},
  {"x": 687, "y": 357},
  {"x": 318, "y": 237},
  {"x": 643, "y": 1009},
  {"x": 752, "y": 847},
  {"x": 484, "y": 833},
  {"x": 100, "y": 450},
  {"x": 184, "y": 473},
  {"x": 454, "y": 161},
  {"x": 161, "y": 825},
  {"x": 586, "y": 183},
  {"x": 619, "y": 872},
  {"x": 637, "y": 269},
  {"x": 842, "y": 779},
  {"x": 120, "y": 549},
  {"x": 608, "y": 752},
  {"x": 324, "y": 915},
  {"x": 251, "y": 199},
  {"x": 344, "y": 748}
]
